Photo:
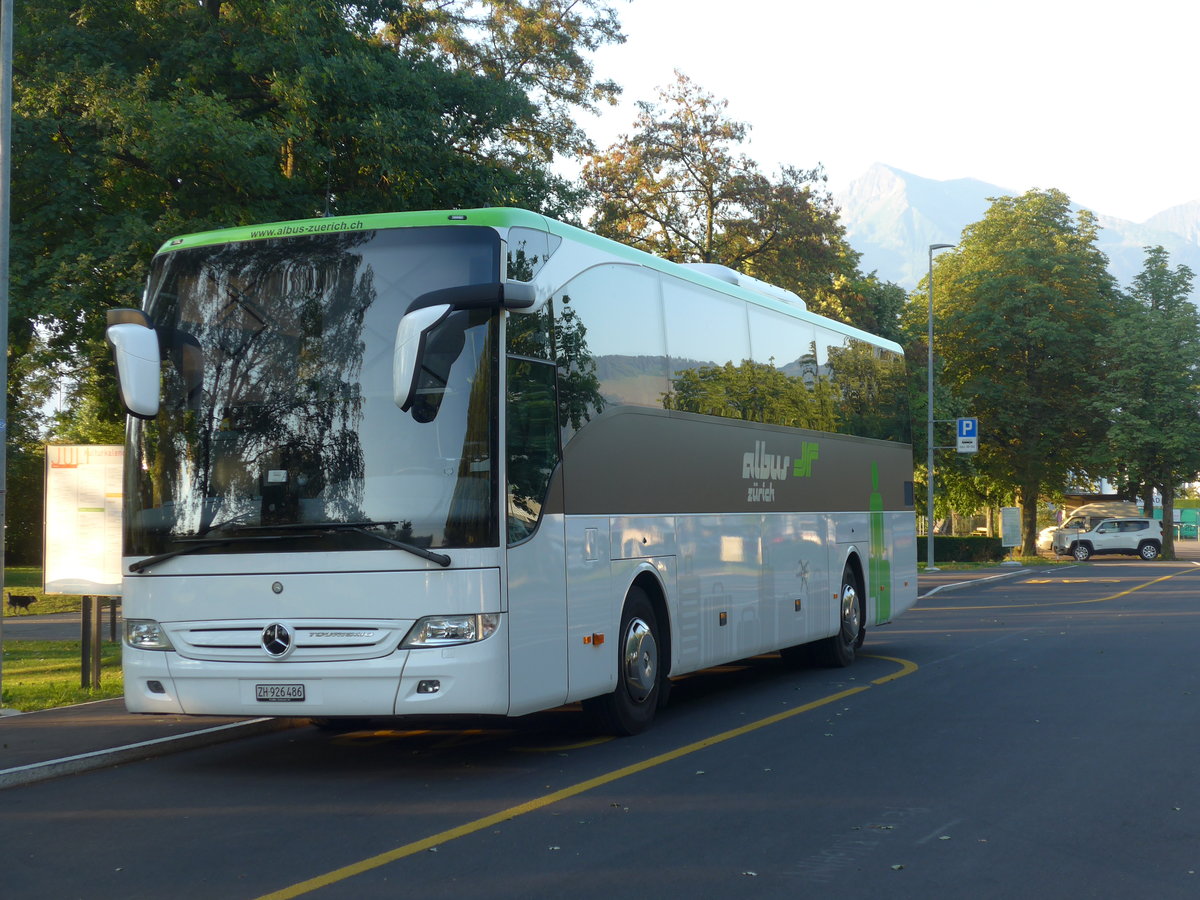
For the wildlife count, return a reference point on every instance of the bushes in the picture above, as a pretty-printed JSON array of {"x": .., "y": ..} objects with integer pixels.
[{"x": 967, "y": 549}]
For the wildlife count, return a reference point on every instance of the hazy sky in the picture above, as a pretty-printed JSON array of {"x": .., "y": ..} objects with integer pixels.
[{"x": 1095, "y": 98}]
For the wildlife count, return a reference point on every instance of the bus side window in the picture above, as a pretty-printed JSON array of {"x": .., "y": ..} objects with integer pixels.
[
  {"x": 532, "y": 441},
  {"x": 609, "y": 343},
  {"x": 528, "y": 250},
  {"x": 709, "y": 349},
  {"x": 869, "y": 385}
]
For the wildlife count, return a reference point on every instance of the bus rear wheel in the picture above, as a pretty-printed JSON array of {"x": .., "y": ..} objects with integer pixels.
[
  {"x": 839, "y": 651},
  {"x": 630, "y": 708}
]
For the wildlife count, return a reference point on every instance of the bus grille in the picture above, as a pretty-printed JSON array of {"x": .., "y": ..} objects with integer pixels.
[{"x": 309, "y": 641}]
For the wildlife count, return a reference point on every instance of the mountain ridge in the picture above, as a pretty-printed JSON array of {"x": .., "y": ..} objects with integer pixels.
[{"x": 892, "y": 216}]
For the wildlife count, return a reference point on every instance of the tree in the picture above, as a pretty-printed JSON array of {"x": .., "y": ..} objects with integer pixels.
[
  {"x": 541, "y": 46},
  {"x": 678, "y": 187},
  {"x": 1019, "y": 310},
  {"x": 136, "y": 120},
  {"x": 1152, "y": 401}
]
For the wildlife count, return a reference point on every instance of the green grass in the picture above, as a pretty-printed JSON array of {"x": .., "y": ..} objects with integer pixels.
[
  {"x": 45, "y": 674},
  {"x": 947, "y": 566},
  {"x": 26, "y": 581}
]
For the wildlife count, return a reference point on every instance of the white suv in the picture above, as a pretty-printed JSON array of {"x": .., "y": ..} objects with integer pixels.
[{"x": 1083, "y": 537}]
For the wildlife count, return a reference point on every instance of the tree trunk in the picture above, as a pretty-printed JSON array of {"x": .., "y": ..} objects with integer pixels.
[
  {"x": 1029, "y": 498},
  {"x": 1168, "y": 521}
]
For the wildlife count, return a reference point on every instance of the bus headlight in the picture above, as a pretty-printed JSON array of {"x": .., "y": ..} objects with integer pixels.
[
  {"x": 446, "y": 631},
  {"x": 146, "y": 634}
]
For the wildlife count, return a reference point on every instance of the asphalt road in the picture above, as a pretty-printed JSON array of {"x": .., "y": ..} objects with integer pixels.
[
  {"x": 66, "y": 626},
  {"x": 1032, "y": 735}
]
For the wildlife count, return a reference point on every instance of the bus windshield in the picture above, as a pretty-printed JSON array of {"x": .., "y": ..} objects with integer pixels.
[{"x": 277, "y": 415}]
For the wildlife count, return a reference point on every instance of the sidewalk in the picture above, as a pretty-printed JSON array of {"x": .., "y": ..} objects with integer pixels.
[
  {"x": 54, "y": 742},
  {"x": 49, "y": 743},
  {"x": 41, "y": 745}
]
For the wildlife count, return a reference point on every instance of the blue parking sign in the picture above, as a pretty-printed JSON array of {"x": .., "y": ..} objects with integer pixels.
[{"x": 968, "y": 435}]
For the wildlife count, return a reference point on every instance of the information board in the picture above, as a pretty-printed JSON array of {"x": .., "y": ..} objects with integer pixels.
[
  {"x": 1010, "y": 526},
  {"x": 83, "y": 519}
]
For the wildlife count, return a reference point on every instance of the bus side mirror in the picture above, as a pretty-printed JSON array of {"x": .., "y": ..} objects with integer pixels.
[
  {"x": 135, "y": 350},
  {"x": 411, "y": 333}
]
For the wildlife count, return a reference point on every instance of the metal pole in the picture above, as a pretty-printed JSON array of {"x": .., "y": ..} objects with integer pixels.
[
  {"x": 929, "y": 566},
  {"x": 85, "y": 642},
  {"x": 6, "y": 57}
]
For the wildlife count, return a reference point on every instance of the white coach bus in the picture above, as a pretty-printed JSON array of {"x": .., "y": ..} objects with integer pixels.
[{"x": 482, "y": 462}]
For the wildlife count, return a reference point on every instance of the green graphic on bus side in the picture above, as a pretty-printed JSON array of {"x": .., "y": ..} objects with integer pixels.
[
  {"x": 879, "y": 570},
  {"x": 809, "y": 453}
]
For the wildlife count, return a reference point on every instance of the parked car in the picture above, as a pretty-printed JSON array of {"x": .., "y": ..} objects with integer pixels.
[
  {"x": 1082, "y": 537},
  {"x": 1045, "y": 539}
]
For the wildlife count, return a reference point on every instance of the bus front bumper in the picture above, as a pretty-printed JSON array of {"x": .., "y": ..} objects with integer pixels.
[{"x": 466, "y": 679}]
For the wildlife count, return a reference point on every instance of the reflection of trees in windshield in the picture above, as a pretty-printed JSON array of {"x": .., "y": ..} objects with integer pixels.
[
  {"x": 270, "y": 422},
  {"x": 277, "y": 394}
]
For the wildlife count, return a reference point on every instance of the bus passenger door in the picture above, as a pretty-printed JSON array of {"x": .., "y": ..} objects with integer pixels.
[
  {"x": 537, "y": 619},
  {"x": 536, "y": 576}
]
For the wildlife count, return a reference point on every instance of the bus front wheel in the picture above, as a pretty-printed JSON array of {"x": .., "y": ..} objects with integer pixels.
[{"x": 631, "y": 705}]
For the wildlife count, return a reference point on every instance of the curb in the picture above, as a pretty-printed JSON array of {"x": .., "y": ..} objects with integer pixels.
[{"x": 99, "y": 759}]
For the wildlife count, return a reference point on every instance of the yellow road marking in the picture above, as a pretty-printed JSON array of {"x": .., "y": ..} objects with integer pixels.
[
  {"x": 1072, "y": 581},
  {"x": 450, "y": 834},
  {"x": 562, "y": 748},
  {"x": 1116, "y": 596}
]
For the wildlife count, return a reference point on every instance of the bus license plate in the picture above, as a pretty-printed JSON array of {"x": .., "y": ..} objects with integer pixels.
[{"x": 279, "y": 693}]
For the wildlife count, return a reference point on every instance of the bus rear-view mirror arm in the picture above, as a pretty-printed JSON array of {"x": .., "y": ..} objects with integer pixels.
[{"x": 429, "y": 310}]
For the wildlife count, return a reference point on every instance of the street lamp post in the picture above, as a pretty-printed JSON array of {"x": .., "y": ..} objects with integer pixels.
[
  {"x": 6, "y": 54},
  {"x": 929, "y": 566}
]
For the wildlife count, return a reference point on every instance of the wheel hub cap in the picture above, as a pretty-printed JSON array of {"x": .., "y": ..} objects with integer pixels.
[{"x": 640, "y": 661}]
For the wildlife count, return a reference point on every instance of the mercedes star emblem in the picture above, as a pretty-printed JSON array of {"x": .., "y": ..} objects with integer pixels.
[{"x": 277, "y": 639}]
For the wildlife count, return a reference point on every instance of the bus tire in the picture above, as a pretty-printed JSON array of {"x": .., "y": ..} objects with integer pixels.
[
  {"x": 838, "y": 651},
  {"x": 630, "y": 707}
]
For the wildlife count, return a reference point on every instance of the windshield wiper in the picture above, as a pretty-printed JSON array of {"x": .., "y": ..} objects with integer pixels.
[
  {"x": 440, "y": 558},
  {"x": 195, "y": 544},
  {"x": 358, "y": 528}
]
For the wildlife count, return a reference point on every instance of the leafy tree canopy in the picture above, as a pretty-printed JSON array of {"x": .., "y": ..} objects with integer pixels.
[
  {"x": 679, "y": 186},
  {"x": 1152, "y": 395},
  {"x": 138, "y": 119},
  {"x": 1019, "y": 307}
]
